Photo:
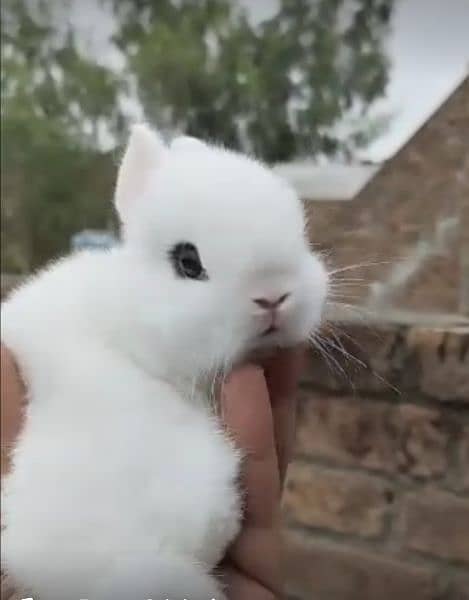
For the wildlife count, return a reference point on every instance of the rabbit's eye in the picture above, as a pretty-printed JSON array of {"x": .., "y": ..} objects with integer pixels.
[{"x": 186, "y": 261}]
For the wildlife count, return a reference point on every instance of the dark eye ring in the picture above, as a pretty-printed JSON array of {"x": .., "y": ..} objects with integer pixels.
[{"x": 186, "y": 261}]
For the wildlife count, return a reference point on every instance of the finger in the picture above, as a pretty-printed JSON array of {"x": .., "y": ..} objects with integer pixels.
[
  {"x": 282, "y": 374},
  {"x": 13, "y": 400},
  {"x": 246, "y": 411},
  {"x": 256, "y": 556},
  {"x": 241, "y": 586}
]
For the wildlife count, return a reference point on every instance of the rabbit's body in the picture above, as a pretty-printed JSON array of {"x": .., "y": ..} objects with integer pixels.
[
  {"x": 130, "y": 468},
  {"x": 123, "y": 484}
]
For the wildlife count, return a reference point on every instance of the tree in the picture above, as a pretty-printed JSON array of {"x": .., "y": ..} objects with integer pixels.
[
  {"x": 276, "y": 89},
  {"x": 54, "y": 179}
]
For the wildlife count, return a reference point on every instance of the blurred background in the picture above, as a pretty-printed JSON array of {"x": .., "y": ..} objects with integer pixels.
[{"x": 363, "y": 105}]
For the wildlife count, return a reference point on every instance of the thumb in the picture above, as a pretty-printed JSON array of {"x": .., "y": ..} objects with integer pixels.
[{"x": 13, "y": 400}]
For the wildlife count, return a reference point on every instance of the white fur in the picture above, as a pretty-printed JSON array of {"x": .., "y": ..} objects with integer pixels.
[{"x": 124, "y": 484}]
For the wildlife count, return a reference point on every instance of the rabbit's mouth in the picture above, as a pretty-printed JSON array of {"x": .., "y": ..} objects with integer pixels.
[{"x": 270, "y": 330}]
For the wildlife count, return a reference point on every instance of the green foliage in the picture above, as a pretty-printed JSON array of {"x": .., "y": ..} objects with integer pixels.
[
  {"x": 276, "y": 89},
  {"x": 54, "y": 181},
  {"x": 200, "y": 66}
]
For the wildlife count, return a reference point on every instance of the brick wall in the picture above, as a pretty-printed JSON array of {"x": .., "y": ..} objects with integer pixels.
[
  {"x": 417, "y": 198},
  {"x": 377, "y": 500}
]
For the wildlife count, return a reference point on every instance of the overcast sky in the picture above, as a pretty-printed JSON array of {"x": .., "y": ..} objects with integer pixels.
[{"x": 429, "y": 50}]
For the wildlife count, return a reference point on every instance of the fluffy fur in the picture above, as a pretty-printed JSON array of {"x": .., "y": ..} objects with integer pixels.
[{"x": 124, "y": 484}]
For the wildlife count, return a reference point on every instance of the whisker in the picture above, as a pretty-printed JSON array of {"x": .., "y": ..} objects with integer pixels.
[
  {"x": 339, "y": 367},
  {"x": 355, "y": 359},
  {"x": 338, "y": 311},
  {"x": 332, "y": 347},
  {"x": 337, "y": 296},
  {"x": 338, "y": 346},
  {"x": 347, "y": 285},
  {"x": 352, "y": 307},
  {"x": 359, "y": 266},
  {"x": 320, "y": 349},
  {"x": 336, "y": 280},
  {"x": 337, "y": 331}
]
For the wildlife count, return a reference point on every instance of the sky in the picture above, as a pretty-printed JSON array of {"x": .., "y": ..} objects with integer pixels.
[{"x": 428, "y": 48}]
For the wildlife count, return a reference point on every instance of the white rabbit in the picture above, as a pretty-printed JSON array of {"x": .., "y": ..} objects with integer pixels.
[{"x": 123, "y": 484}]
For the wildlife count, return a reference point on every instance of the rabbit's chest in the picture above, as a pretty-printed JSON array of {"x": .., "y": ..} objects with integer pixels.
[
  {"x": 185, "y": 474},
  {"x": 126, "y": 462}
]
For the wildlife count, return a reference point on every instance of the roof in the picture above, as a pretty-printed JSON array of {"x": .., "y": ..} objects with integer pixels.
[
  {"x": 326, "y": 182},
  {"x": 342, "y": 182},
  {"x": 428, "y": 108}
]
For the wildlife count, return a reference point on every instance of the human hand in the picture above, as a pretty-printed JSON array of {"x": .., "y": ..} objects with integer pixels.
[
  {"x": 13, "y": 400},
  {"x": 258, "y": 408}
]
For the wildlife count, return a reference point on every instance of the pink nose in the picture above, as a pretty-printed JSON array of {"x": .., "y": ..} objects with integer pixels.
[{"x": 269, "y": 303}]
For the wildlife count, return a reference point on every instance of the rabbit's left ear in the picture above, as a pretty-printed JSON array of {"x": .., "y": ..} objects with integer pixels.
[
  {"x": 144, "y": 153},
  {"x": 186, "y": 142}
]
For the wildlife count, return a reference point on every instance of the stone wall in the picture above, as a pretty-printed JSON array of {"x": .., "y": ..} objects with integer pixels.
[{"x": 377, "y": 499}]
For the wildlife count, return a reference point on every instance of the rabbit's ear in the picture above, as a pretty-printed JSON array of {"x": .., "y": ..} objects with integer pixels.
[
  {"x": 186, "y": 142},
  {"x": 144, "y": 153}
]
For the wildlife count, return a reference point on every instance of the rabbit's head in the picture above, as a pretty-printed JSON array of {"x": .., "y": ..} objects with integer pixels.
[{"x": 219, "y": 240}]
